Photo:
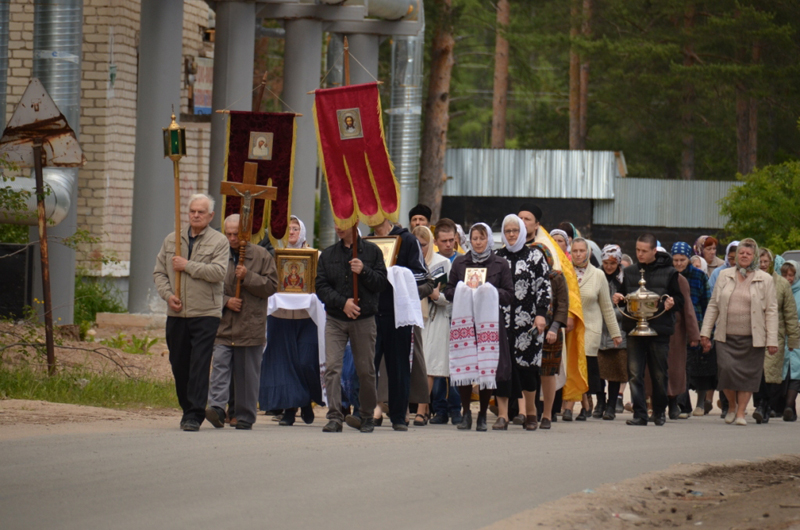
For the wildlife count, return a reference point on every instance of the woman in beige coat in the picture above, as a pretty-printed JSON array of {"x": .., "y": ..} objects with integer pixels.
[
  {"x": 597, "y": 308},
  {"x": 744, "y": 308}
]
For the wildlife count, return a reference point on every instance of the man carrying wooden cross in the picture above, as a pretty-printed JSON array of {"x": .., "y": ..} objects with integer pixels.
[
  {"x": 193, "y": 317},
  {"x": 250, "y": 280}
]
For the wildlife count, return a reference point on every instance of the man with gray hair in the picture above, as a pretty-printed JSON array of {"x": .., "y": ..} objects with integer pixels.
[
  {"x": 193, "y": 317},
  {"x": 241, "y": 333}
]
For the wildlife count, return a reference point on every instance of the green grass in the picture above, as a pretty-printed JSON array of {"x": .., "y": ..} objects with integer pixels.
[{"x": 85, "y": 388}]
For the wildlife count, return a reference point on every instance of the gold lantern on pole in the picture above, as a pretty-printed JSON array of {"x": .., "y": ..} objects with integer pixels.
[{"x": 175, "y": 149}]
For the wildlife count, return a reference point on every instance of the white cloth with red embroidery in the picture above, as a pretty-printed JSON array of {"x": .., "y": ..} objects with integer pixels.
[{"x": 475, "y": 336}]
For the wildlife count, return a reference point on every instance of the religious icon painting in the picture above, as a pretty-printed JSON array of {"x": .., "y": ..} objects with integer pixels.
[
  {"x": 260, "y": 146},
  {"x": 297, "y": 270},
  {"x": 390, "y": 247},
  {"x": 474, "y": 277},
  {"x": 349, "y": 124}
]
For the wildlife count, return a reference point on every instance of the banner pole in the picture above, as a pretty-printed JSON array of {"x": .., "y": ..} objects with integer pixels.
[{"x": 355, "y": 226}]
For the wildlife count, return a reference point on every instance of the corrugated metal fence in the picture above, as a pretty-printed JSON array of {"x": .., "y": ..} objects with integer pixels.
[
  {"x": 671, "y": 203},
  {"x": 527, "y": 173},
  {"x": 586, "y": 175}
]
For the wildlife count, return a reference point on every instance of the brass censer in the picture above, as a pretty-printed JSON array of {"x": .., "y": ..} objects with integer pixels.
[{"x": 643, "y": 306}]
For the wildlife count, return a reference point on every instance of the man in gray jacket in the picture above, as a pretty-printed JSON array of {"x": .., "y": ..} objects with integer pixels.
[
  {"x": 241, "y": 334},
  {"x": 193, "y": 318}
]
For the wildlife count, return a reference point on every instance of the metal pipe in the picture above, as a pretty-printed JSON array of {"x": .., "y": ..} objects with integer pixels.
[
  {"x": 58, "y": 186},
  {"x": 405, "y": 114},
  {"x": 57, "y": 52},
  {"x": 4, "y": 21},
  {"x": 388, "y": 9}
]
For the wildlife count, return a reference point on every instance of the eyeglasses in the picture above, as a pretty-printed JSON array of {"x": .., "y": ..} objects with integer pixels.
[{"x": 512, "y": 231}]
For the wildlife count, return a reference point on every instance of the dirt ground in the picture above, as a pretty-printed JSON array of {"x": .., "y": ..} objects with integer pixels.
[{"x": 736, "y": 495}]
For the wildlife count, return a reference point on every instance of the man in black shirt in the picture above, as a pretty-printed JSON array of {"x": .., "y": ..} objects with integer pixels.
[
  {"x": 350, "y": 320},
  {"x": 650, "y": 352}
]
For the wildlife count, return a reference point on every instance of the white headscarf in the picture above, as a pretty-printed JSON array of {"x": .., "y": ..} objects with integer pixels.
[
  {"x": 612, "y": 251},
  {"x": 463, "y": 240},
  {"x": 703, "y": 264},
  {"x": 300, "y": 240},
  {"x": 728, "y": 251},
  {"x": 483, "y": 256},
  {"x": 523, "y": 233},
  {"x": 559, "y": 232}
]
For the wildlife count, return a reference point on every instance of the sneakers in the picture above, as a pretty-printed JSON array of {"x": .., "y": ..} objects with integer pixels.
[
  {"x": 216, "y": 417},
  {"x": 332, "y": 426}
]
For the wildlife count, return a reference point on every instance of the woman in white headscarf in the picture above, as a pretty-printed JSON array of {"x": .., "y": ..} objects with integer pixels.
[
  {"x": 297, "y": 233},
  {"x": 498, "y": 274},
  {"x": 597, "y": 309},
  {"x": 436, "y": 312},
  {"x": 525, "y": 321}
]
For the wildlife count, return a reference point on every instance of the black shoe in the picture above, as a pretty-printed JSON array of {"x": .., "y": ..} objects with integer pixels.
[
  {"x": 244, "y": 425},
  {"x": 674, "y": 410},
  {"x": 652, "y": 418},
  {"x": 402, "y": 427},
  {"x": 480, "y": 426},
  {"x": 368, "y": 425},
  {"x": 354, "y": 421},
  {"x": 661, "y": 419},
  {"x": 610, "y": 413},
  {"x": 378, "y": 421},
  {"x": 707, "y": 406},
  {"x": 439, "y": 419},
  {"x": 581, "y": 416},
  {"x": 724, "y": 412},
  {"x": 773, "y": 414},
  {"x": 637, "y": 421},
  {"x": 598, "y": 411},
  {"x": 519, "y": 419},
  {"x": 620, "y": 408},
  {"x": 544, "y": 424},
  {"x": 566, "y": 415},
  {"x": 758, "y": 415},
  {"x": 767, "y": 415},
  {"x": 466, "y": 422},
  {"x": 194, "y": 425},
  {"x": 332, "y": 426},
  {"x": 307, "y": 414},
  {"x": 456, "y": 419},
  {"x": 216, "y": 417},
  {"x": 788, "y": 414},
  {"x": 288, "y": 417}
]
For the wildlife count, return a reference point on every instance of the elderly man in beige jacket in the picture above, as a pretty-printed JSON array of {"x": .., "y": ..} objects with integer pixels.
[{"x": 193, "y": 318}]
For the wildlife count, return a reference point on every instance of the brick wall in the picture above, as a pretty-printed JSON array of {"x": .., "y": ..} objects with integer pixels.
[{"x": 108, "y": 117}]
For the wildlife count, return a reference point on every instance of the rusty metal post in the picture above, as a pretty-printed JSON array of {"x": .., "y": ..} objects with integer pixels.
[{"x": 48, "y": 303}]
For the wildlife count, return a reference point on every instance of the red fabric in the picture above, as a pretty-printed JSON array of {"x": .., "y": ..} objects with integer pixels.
[
  {"x": 279, "y": 169},
  {"x": 375, "y": 197}
]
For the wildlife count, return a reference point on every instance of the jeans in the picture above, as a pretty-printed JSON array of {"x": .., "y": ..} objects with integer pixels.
[
  {"x": 442, "y": 403},
  {"x": 395, "y": 345},
  {"x": 650, "y": 352}
]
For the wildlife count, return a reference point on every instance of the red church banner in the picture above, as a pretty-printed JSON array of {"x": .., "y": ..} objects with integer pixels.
[
  {"x": 269, "y": 140},
  {"x": 359, "y": 174}
]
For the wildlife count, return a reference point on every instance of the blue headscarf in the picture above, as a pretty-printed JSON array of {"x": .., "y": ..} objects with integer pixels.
[{"x": 682, "y": 248}]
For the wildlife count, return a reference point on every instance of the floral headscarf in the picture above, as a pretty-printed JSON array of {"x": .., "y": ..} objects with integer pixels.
[
  {"x": 699, "y": 244},
  {"x": 748, "y": 243}
]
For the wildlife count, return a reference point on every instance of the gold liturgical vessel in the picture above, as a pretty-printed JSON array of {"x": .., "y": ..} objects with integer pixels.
[{"x": 643, "y": 306}]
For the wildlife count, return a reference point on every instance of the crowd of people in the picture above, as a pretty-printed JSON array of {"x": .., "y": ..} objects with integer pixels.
[{"x": 528, "y": 326}]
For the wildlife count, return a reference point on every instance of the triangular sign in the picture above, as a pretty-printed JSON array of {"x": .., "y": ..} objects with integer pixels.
[{"x": 37, "y": 118}]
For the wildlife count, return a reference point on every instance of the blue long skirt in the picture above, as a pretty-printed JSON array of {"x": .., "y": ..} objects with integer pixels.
[{"x": 290, "y": 367}]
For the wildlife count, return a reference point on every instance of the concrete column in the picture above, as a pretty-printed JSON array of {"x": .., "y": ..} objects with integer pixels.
[
  {"x": 160, "y": 58},
  {"x": 301, "y": 73},
  {"x": 58, "y": 35},
  {"x": 365, "y": 49},
  {"x": 234, "y": 49}
]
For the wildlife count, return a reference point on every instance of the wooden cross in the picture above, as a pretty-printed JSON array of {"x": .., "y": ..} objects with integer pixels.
[{"x": 247, "y": 190}]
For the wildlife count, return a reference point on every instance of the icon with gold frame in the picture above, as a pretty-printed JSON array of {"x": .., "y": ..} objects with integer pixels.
[
  {"x": 474, "y": 277},
  {"x": 297, "y": 270},
  {"x": 389, "y": 245}
]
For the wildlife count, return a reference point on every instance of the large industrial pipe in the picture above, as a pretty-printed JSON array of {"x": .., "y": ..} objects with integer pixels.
[
  {"x": 405, "y": 114},
  {"x": 388, "y": 9},
  {"x": 58, "y": 186}
]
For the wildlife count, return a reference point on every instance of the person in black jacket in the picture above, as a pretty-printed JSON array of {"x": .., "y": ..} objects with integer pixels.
[
  {"x": 650, "y": 352},
  {"x": 350, "y": 320},
  {"x": 395, "y": 343}
]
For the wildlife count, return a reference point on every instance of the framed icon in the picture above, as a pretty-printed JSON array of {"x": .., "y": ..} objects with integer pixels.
[
  {"x": 474, "y": 277},
  {"x": 260, "y": 146},
  {"x": 349, "y": 124},
  {"x": 297, "y": 269},
  {"x": 389, "y": 245}
]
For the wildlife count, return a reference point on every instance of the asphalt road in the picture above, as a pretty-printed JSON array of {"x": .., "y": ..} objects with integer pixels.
[{"x": 298, "y": 477}]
